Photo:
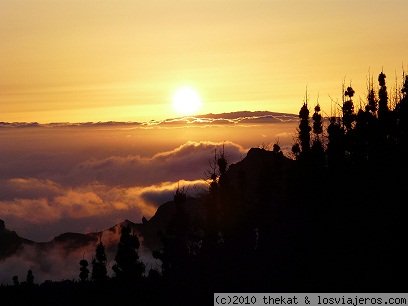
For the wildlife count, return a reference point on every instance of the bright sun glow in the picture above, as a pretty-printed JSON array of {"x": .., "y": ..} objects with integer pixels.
[{"x": 186, "y": 101}]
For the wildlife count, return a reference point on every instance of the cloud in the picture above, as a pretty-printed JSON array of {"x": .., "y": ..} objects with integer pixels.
[
  {"x": 188, "y": 161},
  {"x": 28, "y": 188},
  {"x": 244, "y": 117},
  {"x": 254, "y": 117},
  {"x": 98, "y": 192},
  {"x": 84, "y": 208},
  {"x": 163, "y": 192}
]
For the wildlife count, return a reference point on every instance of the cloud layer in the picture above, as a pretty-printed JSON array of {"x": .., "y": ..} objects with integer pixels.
[
  {"x": 246, "y": 117},
  {"x": 188, "y": 161},
  {"x": 86, "y": 177},
  {"x": 106, "y": 190},
  {"x": 83, "y": 177}
]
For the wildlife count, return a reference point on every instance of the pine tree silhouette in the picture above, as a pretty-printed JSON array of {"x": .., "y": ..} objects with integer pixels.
[
  {"x": 30, "y": 278},
  {"x": 348, "y": 109},
  {"x": 402, "y": 109},
  {"x": 16, "y": 282},
  {"x": 372, "y": 99},
  {"x": 128, "y": 266},
  {"x": 383, "y": 97},
  {"x": 99, "y": 272},
  {"x": 222, "y": 162},
  {"x": 335, "y": 146},
  {"x": 317, "y": 145},
  {"x": 304, "y": 129}
]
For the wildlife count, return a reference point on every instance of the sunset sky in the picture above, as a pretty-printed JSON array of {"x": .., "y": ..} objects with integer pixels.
[
  {"x": 72, "y": 62},
  {"x": 122, "y": 60}
]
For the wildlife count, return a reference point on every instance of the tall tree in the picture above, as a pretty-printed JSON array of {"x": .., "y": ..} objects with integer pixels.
[
  {"x": 383, "y": 96},
  {"x": 348, "y": 109},
  {"x": 371, "y": 98},
  {"x": 402, "y": 109},
  {"x": 222, "y": 162},
  {"x": 30, "y": 278},
  {"x": 128, "y": 266},
  {"x": 99, "y": 272},
  {"x": 317, "y": 145},
  {"x": 335, "y": 146},
  {"x": 304, "y": 129}
]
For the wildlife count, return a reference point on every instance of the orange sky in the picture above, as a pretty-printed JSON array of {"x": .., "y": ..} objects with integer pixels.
[{"x": 83, "y": 60}]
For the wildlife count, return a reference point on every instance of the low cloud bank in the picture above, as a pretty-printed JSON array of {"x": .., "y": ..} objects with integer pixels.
[
  {"x": 188, "y": 161},
  {"x": 100, "y": 192}
]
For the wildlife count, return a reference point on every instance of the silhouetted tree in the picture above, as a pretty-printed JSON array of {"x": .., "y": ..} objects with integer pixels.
[
  {"x": 402, "y": 109},
  {"x": 222, "y": 162},
  {"x": 317, "y": 121},
  {"x": 30, "y": 278},
  {"x": 404, "y": 89},
  {"x": 296, "y": 150},
  {"x": 276, "y": 149},
  {"x": 335, "y": 146},
  {"x": 348, "y": 109},
  {"x": 212, "y": 174},
  {"x": 372, "y": 99},
  {"x": 304, "y": 129},
  {"x": 383, "y": 96},
  {"x": 317, "y": 145},
  {"x": 362, "y": 131},
  {"x": 99, "y": 272},
  {"x": 15, "y": 280},
  {"x": 128, "y": 266},
  {"x": 84, "y": 274}
]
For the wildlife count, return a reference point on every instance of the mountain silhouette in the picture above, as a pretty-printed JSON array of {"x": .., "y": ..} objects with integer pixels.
[{"x": 10, "y": 242}]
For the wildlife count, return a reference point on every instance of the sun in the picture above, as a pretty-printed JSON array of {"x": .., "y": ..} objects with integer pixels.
[{"x": 186, "y": 101}]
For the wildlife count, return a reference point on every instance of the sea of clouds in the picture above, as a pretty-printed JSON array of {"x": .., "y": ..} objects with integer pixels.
[{"x": 84, "y": 178}]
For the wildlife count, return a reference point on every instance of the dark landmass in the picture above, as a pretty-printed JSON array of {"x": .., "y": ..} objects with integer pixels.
[{"x": 10, "y": 242}]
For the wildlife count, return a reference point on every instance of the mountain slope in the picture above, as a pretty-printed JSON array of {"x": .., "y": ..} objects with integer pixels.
[{"x": 10, "y": 242}]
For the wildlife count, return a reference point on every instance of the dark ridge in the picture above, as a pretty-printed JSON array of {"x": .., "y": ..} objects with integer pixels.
[{"x": 10, "y": 242}]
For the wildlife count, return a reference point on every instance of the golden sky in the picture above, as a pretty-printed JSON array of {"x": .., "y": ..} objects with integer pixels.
[{"x": 100, "y": 60}]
